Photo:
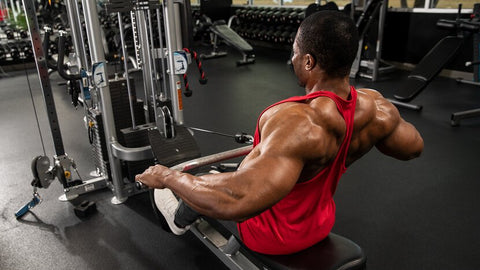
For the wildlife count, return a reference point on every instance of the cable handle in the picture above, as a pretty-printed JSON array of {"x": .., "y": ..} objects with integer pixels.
[{"x": 203, "y": 78}]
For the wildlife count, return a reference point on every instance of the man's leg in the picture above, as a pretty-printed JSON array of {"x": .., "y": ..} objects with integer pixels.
[
  {"x": 177, "y": 215},
  {"x": 185, "y": 215}
]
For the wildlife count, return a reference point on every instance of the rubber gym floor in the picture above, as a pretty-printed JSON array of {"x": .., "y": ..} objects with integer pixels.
[{"x": 420, "y": 214}]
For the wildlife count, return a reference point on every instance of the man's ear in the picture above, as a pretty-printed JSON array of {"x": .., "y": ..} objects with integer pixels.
[{"x": 309, "y": 62}]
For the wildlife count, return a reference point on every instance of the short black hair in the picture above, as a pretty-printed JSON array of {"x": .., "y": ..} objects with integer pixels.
[{"x": 331, "y": 37}]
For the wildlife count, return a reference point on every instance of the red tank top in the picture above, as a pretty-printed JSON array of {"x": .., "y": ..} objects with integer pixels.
[{"x": 307, "y": 214}]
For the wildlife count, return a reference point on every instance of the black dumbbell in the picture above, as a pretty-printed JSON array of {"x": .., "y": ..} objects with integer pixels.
[
  {"x": 300, "y": 17},
  {"x": 291, "y": 38},
  {"x": 269, "y": 16},
  {"x": 14, "y": 52},
  {"x": 269, "y": 34},
  {"x": 9, "y": 33},
  {"x": 262, "y": 15},
  {"x": 283, "y": 17}
]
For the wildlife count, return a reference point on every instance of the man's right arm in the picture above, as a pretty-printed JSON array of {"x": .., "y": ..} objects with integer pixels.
[{"x": 401, "y": 139}]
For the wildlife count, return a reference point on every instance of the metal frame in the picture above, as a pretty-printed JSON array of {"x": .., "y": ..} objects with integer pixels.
[{"x": 96, "y": 80}]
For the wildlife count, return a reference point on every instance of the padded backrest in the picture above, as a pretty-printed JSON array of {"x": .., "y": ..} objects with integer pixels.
[{"x": 436, "y": 59}]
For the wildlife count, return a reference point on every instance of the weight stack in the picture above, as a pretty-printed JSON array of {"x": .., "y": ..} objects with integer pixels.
[
  {"x": 121, "y": 106},
  {"x": 122, "y": 119},
  {"x": 96, "y": 137},
  {"x": 136, "y": 138}
]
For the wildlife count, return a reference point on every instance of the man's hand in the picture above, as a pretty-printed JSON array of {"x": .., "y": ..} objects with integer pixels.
[{"x": 153, "y": 176}]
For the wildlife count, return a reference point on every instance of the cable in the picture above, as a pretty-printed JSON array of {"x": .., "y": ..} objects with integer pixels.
[
  {"x": 212, "y": 132},
  {"x": 34, "y": 108},
  {"x": 239, "y": 137}
]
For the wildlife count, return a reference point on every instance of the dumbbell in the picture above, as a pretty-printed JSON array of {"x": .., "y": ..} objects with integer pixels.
[
  {"x": 242, "y": 13},
  {"x": 249, "y": 32},
  {"x": 275, "y": 18},
  {"x": 262, "y": 33},
  {"x": 10, "y": 33},
  {"x": 283, "y": 17},
  {"x": 277, "y": 33},
  {"x": 292, "y": 17},
  {"x": 269, "y": 34},
  {"x": 249, "y": 13},
  {"x": 284, "y": 37},
  {"x": 262, "y": 15},
  {"x": 291, "y": 38},
  {"x": 300, "y": 17},
  {"x": 256, "y": 32},
  {"x": 27, "y": 50},
  {"x": 256, "y": 14},
  {"x": 14, "y": 52},
  {"x": 270, "y": 15}
]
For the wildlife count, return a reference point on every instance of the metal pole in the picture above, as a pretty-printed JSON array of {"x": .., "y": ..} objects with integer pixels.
[
  {"x": 79, "y": 47},
  {"x": 381, "y": 25},
  {"x": 125, "y": 67},
  {"x": 162, "y": 52},
  {"x": 42, "y": 69},
  {"x": 427, "y": 4},
  {"x": 146, "y": 58},
  {"x": 152, "y": 46},
  {"x": 101, "y": 81},
  {"x": 81, "y": 50},
  {"x": 172, "y": 36}
]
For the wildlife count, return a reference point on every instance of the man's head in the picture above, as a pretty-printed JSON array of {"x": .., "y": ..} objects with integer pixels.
[{"x": 327, "y": 39}]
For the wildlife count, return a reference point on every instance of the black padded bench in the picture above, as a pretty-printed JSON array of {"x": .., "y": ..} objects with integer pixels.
[{"x": 333, "y": 253}]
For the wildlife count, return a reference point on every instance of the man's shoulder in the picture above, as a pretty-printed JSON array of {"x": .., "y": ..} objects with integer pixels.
[{"x": 375, "y": 111}]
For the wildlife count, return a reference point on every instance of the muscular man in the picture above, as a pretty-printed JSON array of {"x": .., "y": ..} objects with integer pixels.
[{"x": 282, "y": 192}]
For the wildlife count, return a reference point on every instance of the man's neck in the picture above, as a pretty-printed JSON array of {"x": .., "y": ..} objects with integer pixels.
[{"x": 338, "y": 86}]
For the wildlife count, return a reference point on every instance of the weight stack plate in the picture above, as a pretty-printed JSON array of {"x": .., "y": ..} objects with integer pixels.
[
  {"x": 136, "y": 138},
  {"x": 121, "y": 105},
  {"x": 170, "y": 152}
]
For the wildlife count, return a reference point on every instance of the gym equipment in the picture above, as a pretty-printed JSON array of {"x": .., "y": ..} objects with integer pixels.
[
  {"x": 121, "y": 144},
  {"x": 219, "y": 28},
  {"x": 433, "y": 62},
  {"x": 472, "y": 25},
  {"x": 34, "y": 202},
  {"x": 428, "y": 68},
  {"x": 374, "y": 10},
  {"x": 334, "y": 252}
]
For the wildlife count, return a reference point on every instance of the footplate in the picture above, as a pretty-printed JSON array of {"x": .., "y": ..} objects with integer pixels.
[{"x": 172, "y": 151}]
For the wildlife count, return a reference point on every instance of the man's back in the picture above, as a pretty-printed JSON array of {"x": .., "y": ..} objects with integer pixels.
[{"x": 376, "y": 123}]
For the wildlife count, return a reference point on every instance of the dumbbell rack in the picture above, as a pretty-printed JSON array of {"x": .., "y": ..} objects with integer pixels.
[
  {"x": 14, "y": 47},
  {"x": 269, "y": 26}
]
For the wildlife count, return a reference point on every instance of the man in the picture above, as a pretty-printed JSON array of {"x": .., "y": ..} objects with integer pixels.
[{"x": 282, "y": 192}]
